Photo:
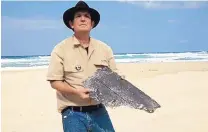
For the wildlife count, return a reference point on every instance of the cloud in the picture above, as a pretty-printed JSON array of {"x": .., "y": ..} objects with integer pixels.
[
  {"x": 123, "y": 27},
  {"x": 183, "y": 41},
  {"x": 34, "y": 23},
  {"x": 173, "y": 21},
  {"x": 168, "y": 4}
]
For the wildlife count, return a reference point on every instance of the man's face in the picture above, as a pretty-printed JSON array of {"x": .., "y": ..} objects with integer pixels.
[{"x": 82, "y": 22}]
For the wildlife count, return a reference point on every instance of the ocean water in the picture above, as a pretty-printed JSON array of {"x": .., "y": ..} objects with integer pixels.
[{"x": 34, "y": 62}]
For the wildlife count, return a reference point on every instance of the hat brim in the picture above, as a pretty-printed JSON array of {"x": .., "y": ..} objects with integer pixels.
[{"x": 69, "y": 15}]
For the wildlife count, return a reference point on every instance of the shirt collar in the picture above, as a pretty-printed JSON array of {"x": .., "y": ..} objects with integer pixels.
[{"x": 77, "y": 43}]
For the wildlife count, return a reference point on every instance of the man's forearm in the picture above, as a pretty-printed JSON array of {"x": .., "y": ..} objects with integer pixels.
[{"x": 63, "y": 87}]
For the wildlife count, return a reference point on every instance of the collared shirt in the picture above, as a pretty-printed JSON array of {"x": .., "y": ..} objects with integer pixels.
[{"x": 70, "y": 62}]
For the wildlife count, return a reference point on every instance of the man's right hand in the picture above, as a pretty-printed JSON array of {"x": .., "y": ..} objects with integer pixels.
[{"x": 83, "y": 93}]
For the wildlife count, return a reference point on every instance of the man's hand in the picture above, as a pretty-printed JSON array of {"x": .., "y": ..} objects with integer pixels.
[
  {"x": 83, "y": 93},
  {"x": 63, "y": 87}
]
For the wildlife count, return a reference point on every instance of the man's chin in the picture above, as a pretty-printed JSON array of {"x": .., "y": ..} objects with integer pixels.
[{"x": 84, "y": 31}]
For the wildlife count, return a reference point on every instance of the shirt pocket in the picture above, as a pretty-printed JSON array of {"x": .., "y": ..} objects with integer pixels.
[
  {"x": 73, "y": 71},
  {"x": 101, "y": 63},
  {"x": 73, "y": 68}
]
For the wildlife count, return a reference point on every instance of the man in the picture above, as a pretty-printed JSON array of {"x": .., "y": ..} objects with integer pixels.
[{"x": 72, "y": 61}]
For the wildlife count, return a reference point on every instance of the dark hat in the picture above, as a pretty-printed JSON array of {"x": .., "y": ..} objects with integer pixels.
[{"x": 81, "y": 5}]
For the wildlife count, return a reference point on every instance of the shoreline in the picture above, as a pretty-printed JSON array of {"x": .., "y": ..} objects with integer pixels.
[{"x": 118, "y": 63}]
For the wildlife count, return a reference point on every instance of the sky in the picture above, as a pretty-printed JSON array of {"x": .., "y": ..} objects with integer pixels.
[{"x": 34, "y": 28}]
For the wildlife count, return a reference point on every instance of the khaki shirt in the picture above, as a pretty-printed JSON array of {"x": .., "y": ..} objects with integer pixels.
[{"x": 70, "y": 62}]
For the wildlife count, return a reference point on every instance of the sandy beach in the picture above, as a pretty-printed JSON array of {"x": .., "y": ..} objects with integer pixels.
[{"x": 181, "y": 88}]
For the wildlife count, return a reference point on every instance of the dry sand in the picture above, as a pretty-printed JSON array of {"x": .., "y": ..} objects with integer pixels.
[{"x": 29, "y": 103}]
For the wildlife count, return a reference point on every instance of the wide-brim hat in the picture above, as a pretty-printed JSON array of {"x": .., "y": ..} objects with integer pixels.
[{"x": 81, "y": 5}]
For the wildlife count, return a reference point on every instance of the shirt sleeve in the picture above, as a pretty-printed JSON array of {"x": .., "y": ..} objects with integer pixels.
[
  {"x": 112, "y": 63},
  {"x": 55, "y": 68}
]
